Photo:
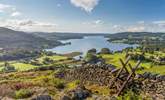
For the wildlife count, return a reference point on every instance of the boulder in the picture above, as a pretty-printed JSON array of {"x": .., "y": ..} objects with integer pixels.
[
  {"x": 138, "y": 76},
  {"x": 146, "y": 75},
  {"x": 160, "y": 77},
  {"x": 43, "y": 97},
  {"x": 80, "y": 93},
  {"x": 153, "y": 76},
  {"x": 65, "y": 98}
]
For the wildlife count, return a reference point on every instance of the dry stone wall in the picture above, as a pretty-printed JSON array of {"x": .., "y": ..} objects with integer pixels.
[
  {"x": 102, "y": 74},
  {"x": 93, "y": 73}
]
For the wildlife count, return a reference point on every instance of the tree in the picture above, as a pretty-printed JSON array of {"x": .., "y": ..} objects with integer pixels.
[
  {"x": 105, "y": 51},
  {"x": 8, "y": 67},
  {"x": 91, "y": 58},
  {"x": 92, "y": 51}
]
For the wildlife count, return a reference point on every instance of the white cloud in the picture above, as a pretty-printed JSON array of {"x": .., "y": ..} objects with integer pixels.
[
  {"x": 129, "y": 28},
  {"x": 15, "y": 14},
  {"x": 4, "y": 8},
  {"x": 87, "y": 5},
  {"x": 28, "y": 25},
  {"x": 98, "y": 22},
  {"x": 155, "y": 26},
  {"x": 160, "y": 23},
  {"x": 9, "y": 9},
  {"x": 136, "y": 29},
  {"x": 93, "y": 23}
]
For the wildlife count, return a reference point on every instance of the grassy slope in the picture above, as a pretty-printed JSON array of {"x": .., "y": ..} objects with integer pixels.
[
  {"x": 23, "y": 67},
  {"x": 114, "y": 59},
  {"x": 58, "y": 59},
  {"x": 43, "y": 80},
  {"x": 55, "y": 58}
]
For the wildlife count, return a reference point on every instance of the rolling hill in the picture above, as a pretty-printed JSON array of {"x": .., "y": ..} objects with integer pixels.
[{"x": 10, "y": 39}]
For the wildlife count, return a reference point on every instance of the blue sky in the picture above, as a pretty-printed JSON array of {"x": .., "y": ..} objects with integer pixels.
[{"x": 94, "y": 16}]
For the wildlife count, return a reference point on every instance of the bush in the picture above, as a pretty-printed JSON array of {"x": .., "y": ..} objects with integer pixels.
[
  {"x": 91, "y": 58},
  {"x": 47, "y": 60},
  {"x": 105, "y": 51},
  {"x": 23, "y": 93},
  {"x": 59, "y": 83},
  {"x": 92, "y": 51},
  {"x": 130, "y": 95},
  {"x": 137, "y": 57}
]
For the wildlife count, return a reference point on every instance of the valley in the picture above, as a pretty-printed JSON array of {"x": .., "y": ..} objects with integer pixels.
[{"x": 54, "y": 73}]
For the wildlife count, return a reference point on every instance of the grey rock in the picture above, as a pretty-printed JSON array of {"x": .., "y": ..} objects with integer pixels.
[
  {"x": 138, "y": 76},
  {"x": 43, "y": 97},
  {"x": 65, "y": 98},
  {"x": 146, "y": 75},
  {"x": 153, "y": 76},
  {"x": 160, "y": 77}
]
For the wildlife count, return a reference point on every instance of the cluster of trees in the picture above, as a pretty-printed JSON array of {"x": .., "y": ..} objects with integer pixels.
[
  {"x": 92, "y": 57},
  {"x": 8, "y": 67}
]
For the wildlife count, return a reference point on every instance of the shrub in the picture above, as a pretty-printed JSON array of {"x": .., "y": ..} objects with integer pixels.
[
  {"x": 73, "y": 84},
  {"x": 91, "y": 58},
  {"x": 105, "y": 51},
  {"x": 59, "y": 83},
  {"x": 47, "y": 60},
  {"x": 92, "y": 51},
  {"x": 130, "y": 95},
  {"x": 8, "y": 67},
  {"x": 23, "y": 93}
]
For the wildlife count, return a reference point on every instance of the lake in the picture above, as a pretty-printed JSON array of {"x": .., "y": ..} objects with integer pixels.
[{"x": 89, "y": 42}]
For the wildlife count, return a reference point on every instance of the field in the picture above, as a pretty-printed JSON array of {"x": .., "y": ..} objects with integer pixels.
[
  {"x": 55, "y": 60},
  {"x": 149, "y": 67}
]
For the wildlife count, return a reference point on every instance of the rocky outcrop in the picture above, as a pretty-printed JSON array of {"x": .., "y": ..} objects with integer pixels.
[{"x": 80, "y": 93}]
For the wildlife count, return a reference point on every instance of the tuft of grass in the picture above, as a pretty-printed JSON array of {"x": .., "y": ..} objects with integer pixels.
[
  {"x": 73, "y": 84},
  {"x": 23, "y": 93},
  {"x": 101, "y": 90},
  {"x": 130, "y": 95},
  {"x": 58, "y": 83}
]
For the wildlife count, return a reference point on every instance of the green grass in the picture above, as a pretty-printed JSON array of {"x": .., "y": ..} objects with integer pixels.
[
  {"x": 130, "y": 95},
  {"x": 23, "y": 93},
  {"x": 1, "y": 68},
  {"x": 19, "y": 66},
  {"x": 149, "y": 67},
  {"x": 114, "y": 59},
  {"x": 23, "y": 67},
  {"x": 56, "y": 58},
  {"x": 73, "y": 84},
  {"x": 156, "y": 69}
]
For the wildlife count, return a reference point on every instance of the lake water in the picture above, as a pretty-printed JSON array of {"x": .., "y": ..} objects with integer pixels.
[{"x": 83, "y": 45}]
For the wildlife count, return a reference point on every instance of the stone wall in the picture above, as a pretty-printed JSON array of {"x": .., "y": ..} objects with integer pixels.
[
  {"x": 93, "y": 73},
  {"x": 149, "y": 83}
]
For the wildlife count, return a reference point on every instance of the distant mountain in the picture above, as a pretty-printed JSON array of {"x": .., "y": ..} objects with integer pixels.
[
  {"x": 136, "y": 34},
  {"x": 149, "y": 39},
  {"x": 64, "y": 36},
  {"x": 10, "y": 39}
]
